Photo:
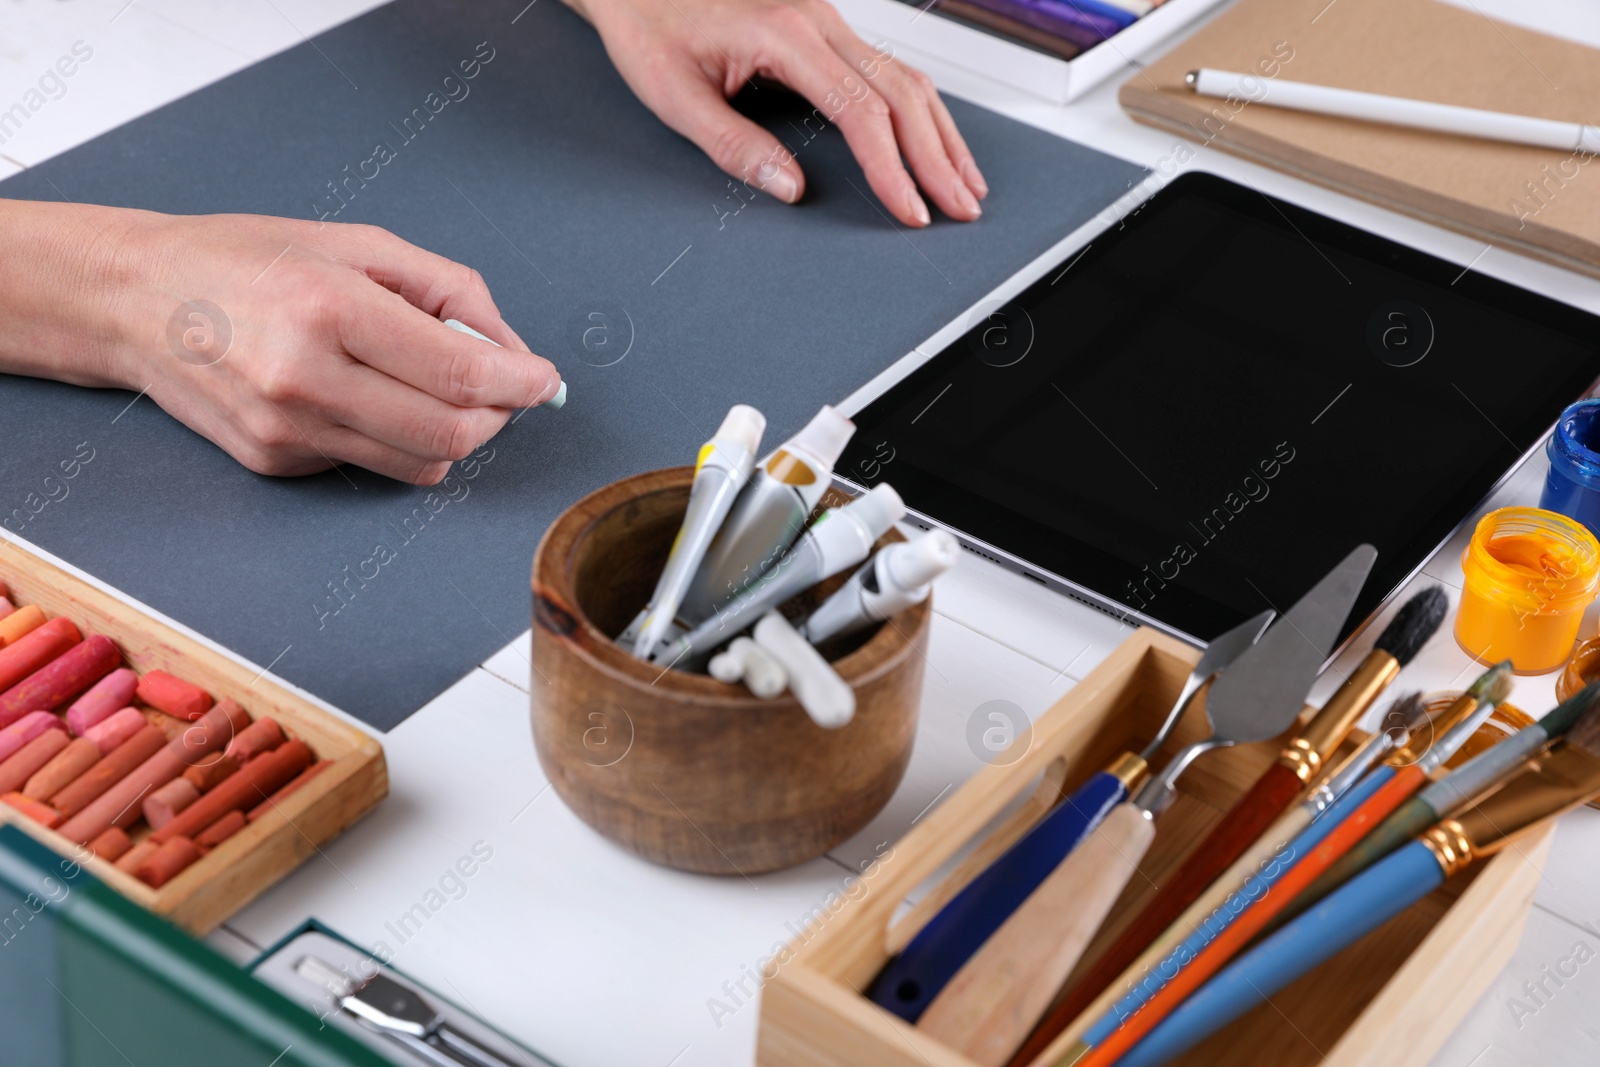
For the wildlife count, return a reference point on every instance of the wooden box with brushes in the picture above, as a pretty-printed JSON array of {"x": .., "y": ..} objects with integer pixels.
[
  {"x": 263, "y": 832},
  {"x": 1392, "y": 997}
]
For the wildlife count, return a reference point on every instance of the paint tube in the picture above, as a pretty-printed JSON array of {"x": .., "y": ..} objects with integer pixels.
[
  {"x": 840, "y": 538},
  {"x": 899, "y": 576},
  {"x": 723, "y": 468},
  {"x": 768, "y": 515}
]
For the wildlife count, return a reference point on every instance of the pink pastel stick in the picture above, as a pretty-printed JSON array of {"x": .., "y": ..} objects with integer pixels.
[
  {"x": 6, "y": 607},
  {"x": 25, "y": 729},
  {"x": 105, "y": 698},
  {"x": 110, "y": 732}
]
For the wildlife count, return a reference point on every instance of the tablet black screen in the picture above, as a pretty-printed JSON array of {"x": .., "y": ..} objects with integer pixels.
[{"x": 1205, "y": 410}]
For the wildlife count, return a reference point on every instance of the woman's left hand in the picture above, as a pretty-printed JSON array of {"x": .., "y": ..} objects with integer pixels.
[{"x": 685, "y": 58}]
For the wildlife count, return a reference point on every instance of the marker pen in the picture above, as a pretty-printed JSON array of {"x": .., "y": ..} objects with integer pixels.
[
  {"x": 722, "y": 470},
  {"x": 841, "y": 537},
  {"x": 768, "y": 515},
  {"x": 893, "y": 580},
  {"x": 555, "y": 403},
  {"x": 827, "y": 698}
]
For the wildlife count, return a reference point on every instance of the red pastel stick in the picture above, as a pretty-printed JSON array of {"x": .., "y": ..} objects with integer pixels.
[
  {"x": 173, "y": 695},
  {"x": 169, "y": 860},
  {"x": 6, "y": 607},
  {"x": 25, "y": 763},
  {"x": 105, "y": 698},
  {"x": 24, "y": 729},
  {"x": 277, "y": 798},
  {"x": 203, "y": 776},
  {"x": 119, "y": 805},
  {"x": 220, "y": 831},
  {"x": 38, "y": 811},
  {"x": 73, "y": 760},
  {"x": 111, "y": 846},
  {"x": 252, "y": 784},
  {"x": 263, "y": 735},
  {"x": 110, "y": 732},
  {"x": 63, "y": 678},
  {"x": 26, "y": 654},
  {"x": 164, "y": 804},
  {"x": 109, "y": 771},
  {"x": 135, "y": 856}
]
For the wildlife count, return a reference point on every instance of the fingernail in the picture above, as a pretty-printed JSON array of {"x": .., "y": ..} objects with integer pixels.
[
  {"x": 975, "y": 182},
  {"x": 965, "y": 199},
  {"x": 558, "y": 399},
  {"x": 919, "y": 210},
  {"x": 783, "y": 186}
]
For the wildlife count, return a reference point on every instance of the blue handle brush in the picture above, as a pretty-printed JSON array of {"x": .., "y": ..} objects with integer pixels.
[{"x": 1564, "y": 778}]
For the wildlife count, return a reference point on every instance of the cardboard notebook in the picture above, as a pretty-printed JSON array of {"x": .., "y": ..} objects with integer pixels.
[{"x": 1539, "y": 202}]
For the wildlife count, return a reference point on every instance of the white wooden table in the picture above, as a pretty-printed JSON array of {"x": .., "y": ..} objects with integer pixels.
[{"x": 599, "y": 959}]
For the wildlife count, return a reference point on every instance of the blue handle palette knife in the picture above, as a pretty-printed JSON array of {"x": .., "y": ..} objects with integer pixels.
[{"x": 910, "y": 981}]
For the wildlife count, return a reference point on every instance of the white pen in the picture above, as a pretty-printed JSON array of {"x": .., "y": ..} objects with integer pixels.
[
  {"x": 723, "y": 467},
  {"x": 841, "y": 537},
  {"x": 826, "y": 697},
  {"x": 1396, "y": 110},
  {"x": 891, "y": 581}
]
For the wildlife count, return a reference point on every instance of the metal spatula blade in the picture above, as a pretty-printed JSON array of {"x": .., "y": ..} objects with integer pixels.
[{"x": 1260, "y": 695}]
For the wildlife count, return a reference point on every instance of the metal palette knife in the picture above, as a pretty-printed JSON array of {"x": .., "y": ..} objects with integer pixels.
[
  {"x": 910, "y": 981},
  {"x": 999, "y": 995}
]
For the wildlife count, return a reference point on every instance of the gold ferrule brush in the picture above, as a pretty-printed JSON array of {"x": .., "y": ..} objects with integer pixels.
[
  {"x": 1565, "y": 778},
  {"x": 1491, "y": 688},
  {"x": 1328, "y": 727},
  {"x": 1417, "y": 620}
]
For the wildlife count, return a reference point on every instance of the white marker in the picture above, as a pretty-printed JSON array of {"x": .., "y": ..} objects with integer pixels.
[
  {"x": 1575, "y": 137},
  {"x": 770, "y": 513},
  {"x": 826, "y": 697},
  {"x": 841, "y": 537},
  {"x": 893, "y": 580},
  {"x": 723, "y": 467},
  {"x": 555, "y": 403}
]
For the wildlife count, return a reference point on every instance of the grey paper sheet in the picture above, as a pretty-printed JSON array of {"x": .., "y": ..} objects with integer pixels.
[{"x": 612, "y": 245}]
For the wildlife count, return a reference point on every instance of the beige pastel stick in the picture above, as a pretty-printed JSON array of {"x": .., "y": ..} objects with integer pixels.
[
  {"x": 1280, "y": 833},
  {"x": 1001, "y": 993}
]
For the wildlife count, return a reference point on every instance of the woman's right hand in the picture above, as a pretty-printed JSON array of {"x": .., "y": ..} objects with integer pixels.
[{"x": 294, "y": 345}]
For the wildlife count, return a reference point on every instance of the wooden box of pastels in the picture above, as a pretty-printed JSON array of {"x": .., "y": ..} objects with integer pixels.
[
  {"x": 1390, "y": 995},
  {"x": 171, "y": 772}
]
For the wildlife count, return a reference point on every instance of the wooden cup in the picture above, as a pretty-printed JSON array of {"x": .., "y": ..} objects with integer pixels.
[{"x": 680, "y": 768}]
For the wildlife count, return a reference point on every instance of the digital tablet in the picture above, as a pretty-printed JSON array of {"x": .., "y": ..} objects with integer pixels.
[{"x": 1198, "y": 413}]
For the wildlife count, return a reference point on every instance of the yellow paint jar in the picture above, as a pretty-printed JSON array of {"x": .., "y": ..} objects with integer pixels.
[{"x": 1529, "y": 575}]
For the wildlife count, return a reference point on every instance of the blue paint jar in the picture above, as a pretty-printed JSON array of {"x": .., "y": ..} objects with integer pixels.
[{"x": 1573, "y": 485}]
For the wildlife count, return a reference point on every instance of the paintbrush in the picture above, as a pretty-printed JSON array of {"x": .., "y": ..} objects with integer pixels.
[
  {"x": 1487, "y": 771},
  {"x": 1299, "y": 763},
  {"x": 1569, "y": 775},
  {"x": 1246, "y": 879},
  {"x": 1370, "y": 802}
]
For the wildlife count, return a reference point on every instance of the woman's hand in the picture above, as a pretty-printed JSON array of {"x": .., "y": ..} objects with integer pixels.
[
  {"x": 293, "y": 345},
  {"x": 685, "y": 58}
]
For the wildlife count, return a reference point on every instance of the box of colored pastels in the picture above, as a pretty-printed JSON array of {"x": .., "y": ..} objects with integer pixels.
[
  {"x": 1057, "y": 49},
  {"x": 1393, "y": 996},
  {"x": 172, "y": 772}
]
